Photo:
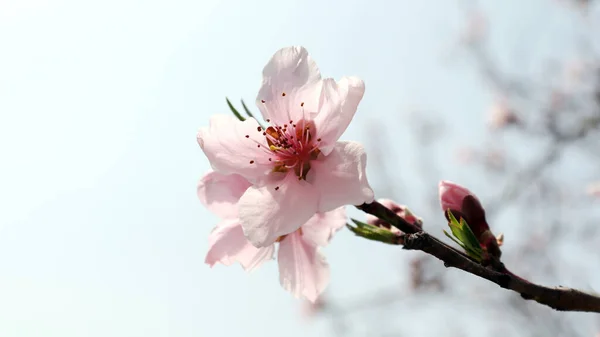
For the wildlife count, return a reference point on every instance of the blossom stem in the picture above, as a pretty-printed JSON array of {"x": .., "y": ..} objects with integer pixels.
[
  {"x": 389, "y": 216},
  {"x": 558, "y": 298}
]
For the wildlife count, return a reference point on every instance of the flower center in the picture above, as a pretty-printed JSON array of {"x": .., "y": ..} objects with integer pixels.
[
  {"x": 279, "y": 239},
  {"x": 291, "y": 146}
]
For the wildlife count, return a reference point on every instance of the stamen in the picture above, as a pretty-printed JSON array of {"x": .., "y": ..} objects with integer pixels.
[
  {"x": 290, "y": 148},
  {"x": 252, "y": 162},
  {"x": 283, "y": 94}
]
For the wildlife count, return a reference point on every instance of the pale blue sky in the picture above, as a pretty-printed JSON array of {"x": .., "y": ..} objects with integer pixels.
[{"x": 101, "y": 233}]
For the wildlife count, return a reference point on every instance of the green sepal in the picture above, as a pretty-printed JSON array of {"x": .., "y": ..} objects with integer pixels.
[
  {"x": 247, "y": 110},
  {"x": 235, "y": 112}
]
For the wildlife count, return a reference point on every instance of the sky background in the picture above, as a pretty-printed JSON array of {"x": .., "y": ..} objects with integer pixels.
[{"x": 101, "y": 233}]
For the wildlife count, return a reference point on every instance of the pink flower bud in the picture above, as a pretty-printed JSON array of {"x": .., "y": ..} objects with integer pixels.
[
  {"x": 464, "y": 204},
  {"x": 452, "y": 195},
  {"x": 400, "y": 210}
]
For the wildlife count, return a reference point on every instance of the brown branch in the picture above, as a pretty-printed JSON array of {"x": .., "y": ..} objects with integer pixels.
[{"x": 559, "y": 298}]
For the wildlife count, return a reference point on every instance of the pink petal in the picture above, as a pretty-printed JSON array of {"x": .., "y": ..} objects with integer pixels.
[
  {"x": 340, "y": 177},
  {"x": 319, "y": 229},
  {"x": 227, "y": 244},
  {"x": 291, "y": 71},
  {"x": 220, "y": 193},
  {"x": 297, "y": 104},
  {"x": 228, "y": 149},
  {"x": 277, "y": 208},
  {"x": 303, "y": 271},
  {"x": 337, "y": 107},
  {"x": 452, "y": 195}
]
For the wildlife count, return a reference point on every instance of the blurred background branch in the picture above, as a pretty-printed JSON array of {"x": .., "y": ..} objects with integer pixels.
[{"x": 542, "y": 120}]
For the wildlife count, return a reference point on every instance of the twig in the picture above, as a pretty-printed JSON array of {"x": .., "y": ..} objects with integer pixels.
[{"x": 559, "y": 298}]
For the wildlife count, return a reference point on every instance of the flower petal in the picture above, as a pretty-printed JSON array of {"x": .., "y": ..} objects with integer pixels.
[
  {"x": 289, "y": 70},
  {"x": 303, "y": 271},
  {"x": 337, "y": 106},
  {"x": 297, "y": 104},
  {"x": 452, "y": 195},
  {"x": 319, "y": 229},
  {"x": 227, "y": 244},
  {"x": 275, "y": 209},
  {"x": 340, "y": 177},
  {"x": 220, "y": 193},
  {"x": 228, "y": 149}
]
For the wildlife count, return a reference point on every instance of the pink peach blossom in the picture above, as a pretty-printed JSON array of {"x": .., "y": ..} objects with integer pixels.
[
  {"x": 303, "y": 270},
  {"x": 296, "y": 165}
]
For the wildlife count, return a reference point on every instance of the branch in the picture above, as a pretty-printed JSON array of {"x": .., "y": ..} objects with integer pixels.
[{"x": 559, "y": 298}]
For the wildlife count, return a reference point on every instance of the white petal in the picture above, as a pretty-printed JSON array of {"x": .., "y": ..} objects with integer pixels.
[
  {"x": 320, "y": 228},
  {"x": 290, "y": 78},
  {"x": 220, "y": 193},
  {"x": 341, "y": 177},
  {"x": 275, "y": 209},
  {"x": 337, "y": 107},
  {"x": 228, "y": 149},
  {"x": 303, "y": 271},
  {"x": 227, "y": 244}
]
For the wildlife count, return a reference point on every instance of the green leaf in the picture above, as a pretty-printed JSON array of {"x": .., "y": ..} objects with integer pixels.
[
  {"x": 235, "y": 112},
  {"x": 455, "y": 240},
  {"x": 469, "y": 236},
  {"x": 374, "y": 233},
  {"x": 464, "y": 237}
]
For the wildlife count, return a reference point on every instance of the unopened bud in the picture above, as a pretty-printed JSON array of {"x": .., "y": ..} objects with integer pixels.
[
  {"x": 400, "y": 210},
  {"x": 464, "y": 204}
]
